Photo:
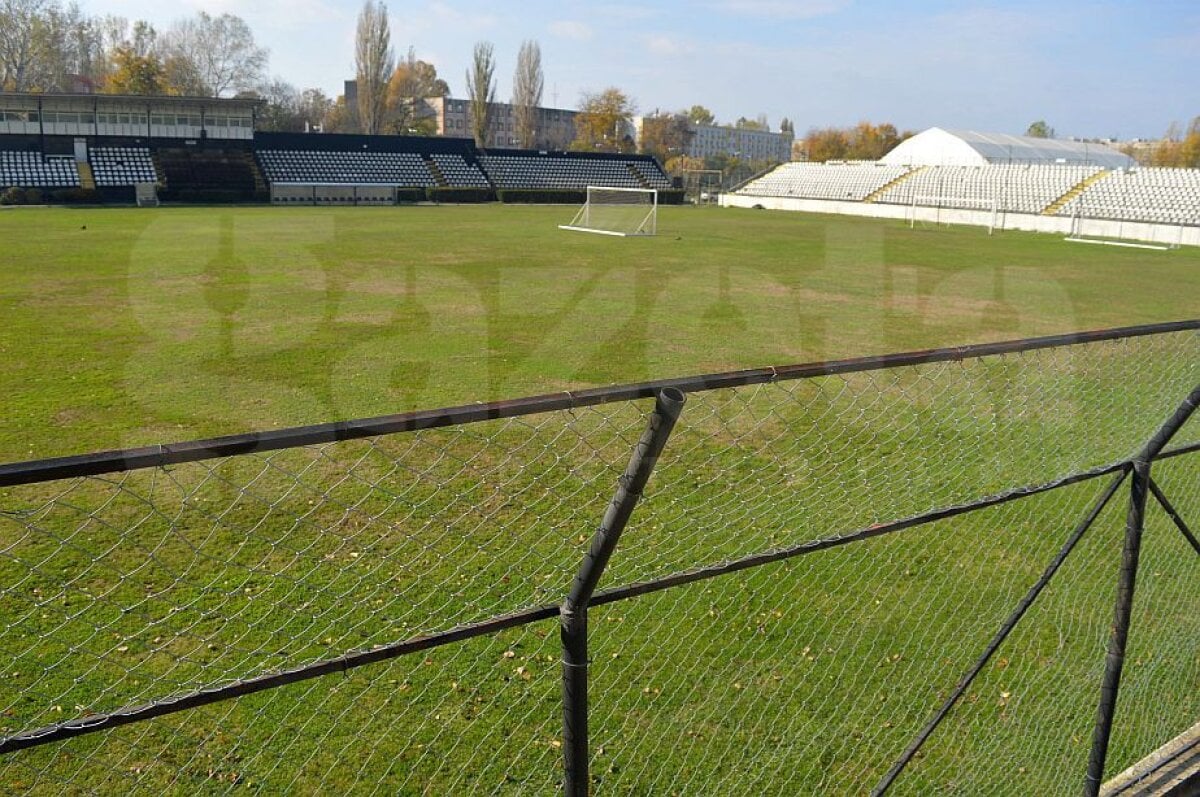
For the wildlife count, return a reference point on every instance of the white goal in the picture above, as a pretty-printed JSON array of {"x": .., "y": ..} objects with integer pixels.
[
  {"x": 940, "y": 209},
  {"x": 617, "y": 211}
]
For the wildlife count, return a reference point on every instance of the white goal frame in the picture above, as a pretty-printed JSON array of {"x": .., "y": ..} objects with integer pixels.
[
  {"x": 647, "y": 225},
  {"x": 1077, "y": 235},
  {"x": 940, "y": 202}
]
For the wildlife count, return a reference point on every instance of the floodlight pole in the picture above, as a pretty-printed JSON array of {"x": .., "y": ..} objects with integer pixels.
[{"x": 573, "y": 614}]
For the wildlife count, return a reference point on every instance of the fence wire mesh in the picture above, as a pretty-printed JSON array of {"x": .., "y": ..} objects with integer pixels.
[{"x": 133, "y": 589}]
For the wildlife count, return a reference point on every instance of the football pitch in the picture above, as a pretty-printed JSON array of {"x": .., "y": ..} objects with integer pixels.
[
  {"x": 127, "y": 328},
  {"x": 130, "y": 327}
]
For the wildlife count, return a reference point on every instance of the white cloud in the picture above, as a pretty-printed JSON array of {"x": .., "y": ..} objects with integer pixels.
[
  {"x": 571, "y": 29},
  {"x": 782, "y": 9},
  {"x": 664, "y": 44}
]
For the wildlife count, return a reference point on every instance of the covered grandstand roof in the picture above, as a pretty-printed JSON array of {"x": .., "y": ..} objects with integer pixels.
[{"x": 938, "y": 147}]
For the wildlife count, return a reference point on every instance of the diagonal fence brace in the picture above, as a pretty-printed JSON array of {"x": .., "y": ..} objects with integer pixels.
[
  {"x": 1172, "y": 513},
  {"x": 1135, "y": 523},
  {"x": 573, "y": 614}
]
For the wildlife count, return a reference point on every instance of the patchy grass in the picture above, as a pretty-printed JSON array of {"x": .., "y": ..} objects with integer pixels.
[{"x": 805, "y": 677}]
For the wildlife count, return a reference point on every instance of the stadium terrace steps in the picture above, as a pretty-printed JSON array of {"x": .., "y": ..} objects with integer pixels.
[
  {"x": 87, "y": 179},
  {"x": 436, "y": 171},
  {"x": 641, "y": 178},
  {"x": 1054, "y": 207},
  {"x": 874, "y": 195}
]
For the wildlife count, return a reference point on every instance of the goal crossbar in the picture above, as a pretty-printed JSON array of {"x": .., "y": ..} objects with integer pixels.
[{"x": 617, "y": 211}]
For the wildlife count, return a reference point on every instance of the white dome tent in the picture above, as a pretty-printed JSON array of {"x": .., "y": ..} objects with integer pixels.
[{"x": 938, "y": 147}]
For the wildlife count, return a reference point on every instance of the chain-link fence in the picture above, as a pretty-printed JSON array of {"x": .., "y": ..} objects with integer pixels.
[{"x": 894, "y": 574}]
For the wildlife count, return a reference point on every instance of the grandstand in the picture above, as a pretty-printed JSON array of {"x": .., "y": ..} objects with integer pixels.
[
  {"x": 1024, "y": 188},
  {"x": 206, "y": 150},
  {"x": 571, "y": 171},
  {"x": 122, "y": 166},
  {"x": 1161, "y": 196},
  {"x": 848, "y": 181},
  {"x": 345, "y": 168},
  {"x": 32, "y": 170},
  {"x": 1034, "y": 184}
]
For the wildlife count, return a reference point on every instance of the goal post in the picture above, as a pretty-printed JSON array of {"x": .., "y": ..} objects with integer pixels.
[
  {"x": 617, "y": 211},
  {"x": 940, "y": 203}
]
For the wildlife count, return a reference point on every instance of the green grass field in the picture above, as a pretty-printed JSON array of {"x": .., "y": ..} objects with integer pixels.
[
  {"x": 131, "y": 327},
  {"x": 173, "y": 324}
]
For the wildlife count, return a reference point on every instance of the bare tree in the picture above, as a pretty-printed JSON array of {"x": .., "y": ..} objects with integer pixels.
[
  {"x": 481, "y": 90},
  {"x": 19, "y": 23},
  {"x": 374, "y": 63},
  {"x": 214, "y": 55},
  {"x": 528, "y": 82}
]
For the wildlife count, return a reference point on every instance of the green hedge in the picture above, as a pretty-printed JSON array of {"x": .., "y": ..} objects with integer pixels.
[
  {"x": 411, "y": 195},
  {"x": 461, "y": 195},
  {"x": 541, "y": 196},
  {"x": 75, "y": 196}
]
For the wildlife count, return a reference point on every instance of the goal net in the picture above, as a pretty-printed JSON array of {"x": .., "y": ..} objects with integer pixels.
[
  {"x": 617, "y": 211},
  {"x": 939, "y": 209}
]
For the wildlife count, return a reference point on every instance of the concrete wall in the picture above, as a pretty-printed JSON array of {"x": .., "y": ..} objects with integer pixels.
[{"x": 1059, "y": 225}]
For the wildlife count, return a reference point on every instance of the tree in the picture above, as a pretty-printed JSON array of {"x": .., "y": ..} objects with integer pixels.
[
  {"x": 665, "y": 136},
  {"x": 214, "y": 56},
  {"x": 602, "y": 123},
  {"x": 281, "y": 114},
  {"x": 826, "y": 144},
  {"x": 699, "y": 115},
  {"x": 410, "y": 85},
  {"x": 528, "y": 83},
  {"x": 314, "y": 109},
  {"x": 1040, "y": 129},
  {"x": 135, "y": 74},
  {"x": 786, "y": 126},
  {"x": 752, "y": 124},
  {"x": 19, "y": 21},
  {"x": 481, "y": 90},
  {"x": 374, "y": 64}
]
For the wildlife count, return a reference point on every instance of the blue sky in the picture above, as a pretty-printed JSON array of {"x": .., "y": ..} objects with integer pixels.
[{"x": 1089, "y": 68}]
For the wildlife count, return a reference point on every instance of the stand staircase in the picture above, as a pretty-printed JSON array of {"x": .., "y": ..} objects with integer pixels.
[
  {"x": 436, "y": 171},
  {"x": 87, "y": 178},
  {"x": 1054, "y": 207},
  {"x": 878, "y": 192}
]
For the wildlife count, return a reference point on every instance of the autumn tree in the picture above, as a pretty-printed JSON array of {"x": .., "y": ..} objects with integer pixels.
[
  {"x": 135, "y": 74},
  {"x": 864, "y": 141},
  {"x": 603, "y": 122},
  {"x": 1040, "y": 129},
  {"x": 374, "y": 63},
  {"x": 665, "y": 136},
  {"x": 1178, "y": 149},
  {"x": 528, "y": 83},
  {"x": 699, "y": 115},
  {"x": 410, "y": 85},
  {"x": 481, "y": 90}
]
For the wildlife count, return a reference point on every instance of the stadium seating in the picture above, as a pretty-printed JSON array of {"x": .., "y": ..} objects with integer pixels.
[
  {"x": 1164, "y": 196},
  {"x": 458, "y": 173},
  {"x": 31, "y": 170},
  {"x": 558, "y": 172},
  {"x": 229, "y": 171},
  {"x": 405, "y": 169},
  {"x": 1014, "y": 188},
  {"x": 122, "y": 166},
  {"x": 845, "y": 181}
]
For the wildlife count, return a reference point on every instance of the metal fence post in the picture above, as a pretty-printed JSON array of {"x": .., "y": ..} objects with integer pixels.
[
  {"x": 1114, "y": 662},
  {"x": 573, "y": 615}
]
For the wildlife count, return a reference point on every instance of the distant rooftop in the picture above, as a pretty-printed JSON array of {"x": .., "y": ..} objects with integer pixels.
[{"x": 939, "y": 147}]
